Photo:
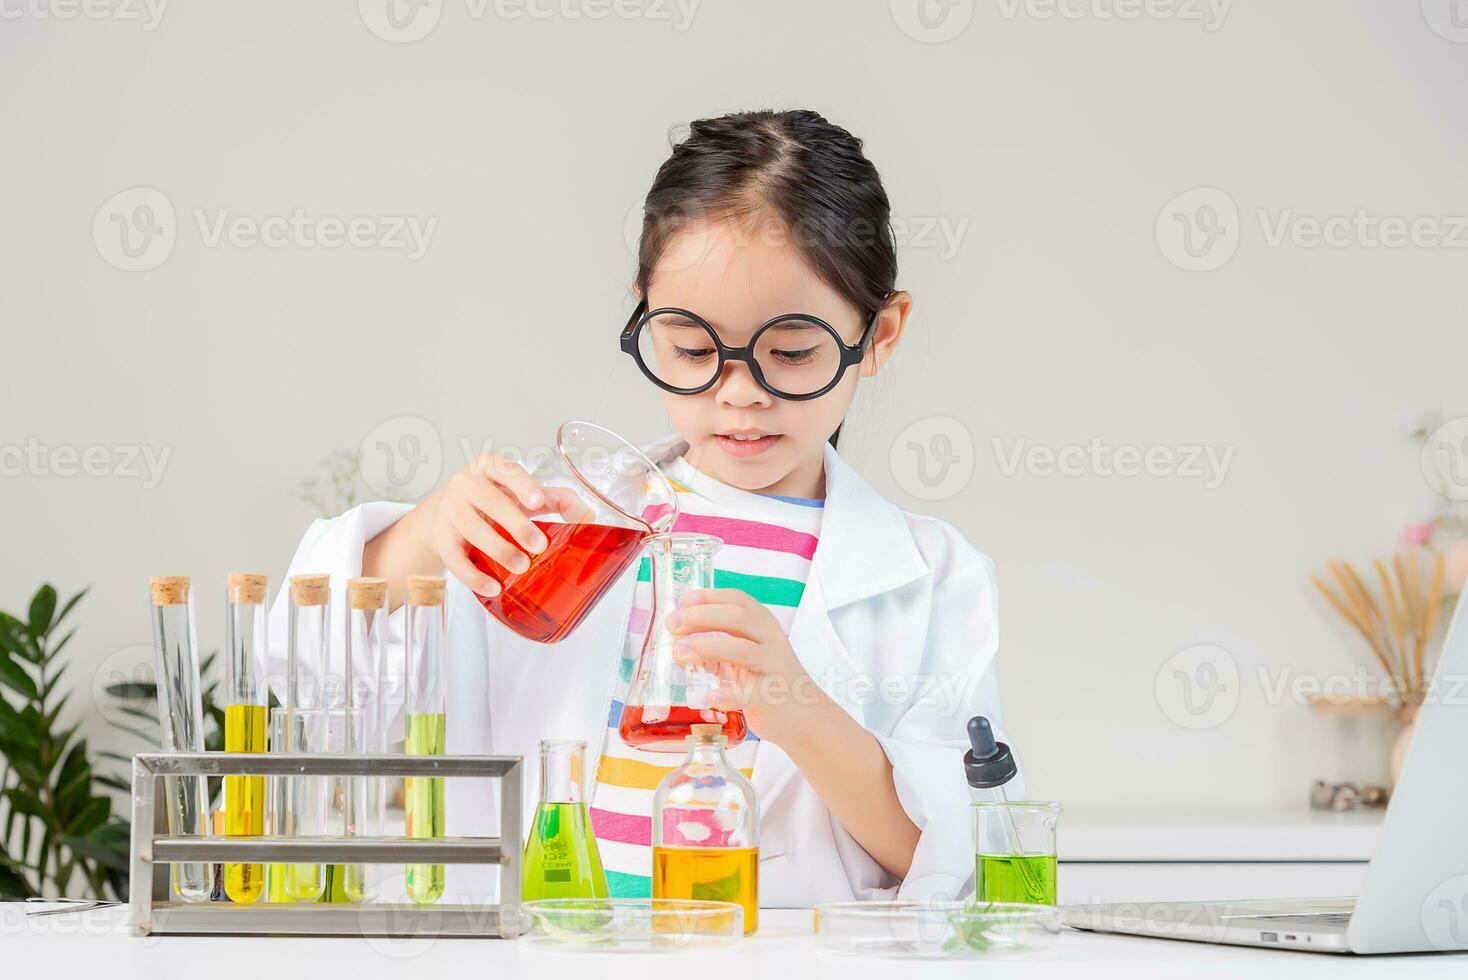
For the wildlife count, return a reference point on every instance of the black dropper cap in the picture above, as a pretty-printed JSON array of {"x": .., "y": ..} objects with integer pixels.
[{"x": 988, "y": 763}]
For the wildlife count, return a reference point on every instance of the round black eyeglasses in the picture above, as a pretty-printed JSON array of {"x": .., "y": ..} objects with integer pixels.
[{"x": 794, "y": 356}]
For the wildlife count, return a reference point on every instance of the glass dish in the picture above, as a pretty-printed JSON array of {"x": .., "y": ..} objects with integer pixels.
[
  {"x": 931, "y": 930},
  {"x": 638, "y": 925}
]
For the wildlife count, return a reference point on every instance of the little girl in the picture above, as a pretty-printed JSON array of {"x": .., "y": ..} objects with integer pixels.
[{"x": 860, "y": 638}]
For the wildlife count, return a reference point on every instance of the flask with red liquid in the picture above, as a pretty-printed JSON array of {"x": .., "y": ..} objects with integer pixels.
[
  {"x": 626, "y": 499},
  {"x": 664, "y": 700}
]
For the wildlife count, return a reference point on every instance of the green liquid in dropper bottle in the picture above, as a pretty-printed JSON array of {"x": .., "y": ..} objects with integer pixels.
[{"x": 1025, "y": 878}]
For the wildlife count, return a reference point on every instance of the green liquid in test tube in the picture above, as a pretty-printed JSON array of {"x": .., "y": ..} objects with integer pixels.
[{"x": 426, "y": 728}]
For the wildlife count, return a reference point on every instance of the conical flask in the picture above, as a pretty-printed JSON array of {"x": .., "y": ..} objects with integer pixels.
[
  {"x": 561, "y": 858},
  {"x": 665, "y": 700},
  {"x": 603, "y": 498}
]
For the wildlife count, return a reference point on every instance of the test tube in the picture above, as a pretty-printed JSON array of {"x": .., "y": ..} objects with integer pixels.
[
  {"x": 425, "y": 628},
  {"x": 366, "y": 797},
  {"x": 305, "y": 728},
  {"x": 246, "y": 707},
  {"x": 181, "y": 717}
]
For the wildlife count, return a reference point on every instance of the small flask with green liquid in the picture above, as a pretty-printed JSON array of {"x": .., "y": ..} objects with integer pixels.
[
  {"x": 561, "y": 859},
  {"x": 1014, "y": 842},
  {"x": 426, "y": 728}
]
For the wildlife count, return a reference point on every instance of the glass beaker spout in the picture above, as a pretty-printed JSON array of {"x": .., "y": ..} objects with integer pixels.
[{"x": 624, "y": 498}]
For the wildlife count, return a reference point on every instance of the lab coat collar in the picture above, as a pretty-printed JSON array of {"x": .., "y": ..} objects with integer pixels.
[{"x": 865, "y": 546}]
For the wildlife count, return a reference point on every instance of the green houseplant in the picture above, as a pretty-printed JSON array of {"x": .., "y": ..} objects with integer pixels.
[{"x": 57, "y": 828}]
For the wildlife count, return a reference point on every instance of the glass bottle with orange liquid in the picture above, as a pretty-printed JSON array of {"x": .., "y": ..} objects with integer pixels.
[
  {"x": 246, "y": 705},
  {"x": 705, "y": 830},
  {"x": 665, "y": 701}
]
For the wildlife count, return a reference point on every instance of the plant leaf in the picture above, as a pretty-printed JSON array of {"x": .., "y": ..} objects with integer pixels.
[
  {"x": 14, "y": 676},
  {"x": 116, "y": 782},
  {"x": 16, "y": 638},
  {"x": 56, "y": 650},
  {"x": 12, "y": 885},
  {"x": 43, "y": 607},
  {"x": 70, "y": 604},
  {"x": 133, "y": 691},
  {"x": 26, "y": 803},
  {"x": 101, "y": 851},
  {"x": 15, "y": 729}
]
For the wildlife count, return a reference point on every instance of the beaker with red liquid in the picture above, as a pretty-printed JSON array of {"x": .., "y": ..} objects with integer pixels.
[
  {"x": 665, "y": 700},
  {"x": 627, "y": 499}
]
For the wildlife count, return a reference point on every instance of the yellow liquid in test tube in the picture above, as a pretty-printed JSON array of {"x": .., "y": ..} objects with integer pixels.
[
  {"x": 423, "y": 804},
  {"x": 244, "y": 799},
  {"x": 714, "y": 874}
]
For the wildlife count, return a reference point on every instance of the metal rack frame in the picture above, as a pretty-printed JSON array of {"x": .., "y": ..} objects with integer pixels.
[{"x": 154, "y": 852}]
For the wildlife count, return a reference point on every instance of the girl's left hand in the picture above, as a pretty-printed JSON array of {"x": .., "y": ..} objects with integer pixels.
[{"x": 732, "y": 635}]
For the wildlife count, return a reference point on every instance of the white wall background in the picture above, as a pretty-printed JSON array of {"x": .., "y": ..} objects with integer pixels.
[{"x": 1048, "y": 146}]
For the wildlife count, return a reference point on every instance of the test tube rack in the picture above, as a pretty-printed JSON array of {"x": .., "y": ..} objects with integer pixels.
[{"x": 153, "y": 852}]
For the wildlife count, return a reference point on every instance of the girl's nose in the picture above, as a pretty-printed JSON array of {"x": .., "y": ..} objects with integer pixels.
[{"x": 737, "y": 388}]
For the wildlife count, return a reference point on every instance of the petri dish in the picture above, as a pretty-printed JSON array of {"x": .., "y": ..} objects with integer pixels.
[
  {"x": 935, "y": 930},
  {"x": 639, "y": 925}
]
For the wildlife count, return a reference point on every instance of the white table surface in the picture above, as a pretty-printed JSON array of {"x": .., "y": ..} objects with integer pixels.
[{"x": 96, "y": 944}]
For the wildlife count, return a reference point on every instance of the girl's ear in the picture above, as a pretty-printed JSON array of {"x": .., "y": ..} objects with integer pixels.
[{"x": 891, "y": 321}]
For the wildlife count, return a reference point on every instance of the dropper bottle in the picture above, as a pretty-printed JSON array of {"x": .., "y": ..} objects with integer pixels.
[
  {"x": 1014, "y": 842},
  {"x": 989, "y": 764}
]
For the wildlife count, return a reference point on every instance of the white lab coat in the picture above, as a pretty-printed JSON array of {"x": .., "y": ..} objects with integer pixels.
[{"x": 897, "y": 623}]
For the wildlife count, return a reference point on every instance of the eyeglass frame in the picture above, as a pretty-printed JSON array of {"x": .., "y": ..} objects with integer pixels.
[{"x": 851, "y": 354}]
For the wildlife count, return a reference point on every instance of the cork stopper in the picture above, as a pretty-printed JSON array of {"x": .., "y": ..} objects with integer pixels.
[
  {"x": 169, "y": 590},
  {"x": 366, "y": 593},
  {"x": 220, "y": 826},
  {"x": 247, "y": 590},
  {"x": 702, "y": 731},
  {"x": 309, "y": 590},
  {"x": 426, "y": 590}
]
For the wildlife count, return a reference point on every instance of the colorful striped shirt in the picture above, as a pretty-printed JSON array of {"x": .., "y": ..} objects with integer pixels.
[{"x": 769, "y": 541}]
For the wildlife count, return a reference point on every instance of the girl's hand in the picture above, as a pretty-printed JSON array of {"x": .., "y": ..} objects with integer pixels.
[
  {"x": 731, "y": 634},
  {"x": 493, "y": 487}
]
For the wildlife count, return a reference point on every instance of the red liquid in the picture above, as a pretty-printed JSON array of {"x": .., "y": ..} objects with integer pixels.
[
  {"x": 668, "y": 727},
  {"x": 550, "y": 598}
]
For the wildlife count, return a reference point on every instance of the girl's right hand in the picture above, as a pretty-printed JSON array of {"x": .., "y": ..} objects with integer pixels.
[{"x": 493, "y": 487}]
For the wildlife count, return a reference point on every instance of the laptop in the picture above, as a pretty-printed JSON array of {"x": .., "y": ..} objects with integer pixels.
[{"x": 1415, "y": 896}]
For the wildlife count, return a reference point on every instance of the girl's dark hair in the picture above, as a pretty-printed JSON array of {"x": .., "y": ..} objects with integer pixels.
[{"x": 809, "y": 172}]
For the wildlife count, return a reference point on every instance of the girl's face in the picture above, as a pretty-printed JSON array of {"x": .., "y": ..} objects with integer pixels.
[{"x": 737, "y": 275}]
